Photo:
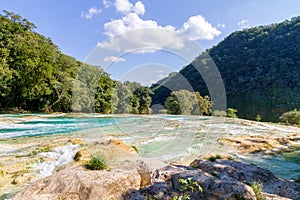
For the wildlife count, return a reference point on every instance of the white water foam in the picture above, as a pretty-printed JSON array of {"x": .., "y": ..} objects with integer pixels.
[
  {"x": 60, "y": 156},
  {"x": 6, "y": 148}
]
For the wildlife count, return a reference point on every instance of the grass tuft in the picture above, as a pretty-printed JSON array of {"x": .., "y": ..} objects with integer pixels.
[{"x": 97, "y": 163}]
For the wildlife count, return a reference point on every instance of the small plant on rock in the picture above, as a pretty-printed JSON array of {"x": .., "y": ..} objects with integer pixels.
[
  {"x": 189, "y": 184},
  {"x": 182, "y": 197},
  {"x": 186, "y": 186},
  {"x": 258, "y": 189},
  {"x": 214, "y": 158},
  {"x": 97, "y": 163}
]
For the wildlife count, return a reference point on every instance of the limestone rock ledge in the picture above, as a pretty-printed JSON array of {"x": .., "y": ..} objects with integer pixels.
[
  {"x": 220, "y": 179},
  {"x": 79, "y": 183}
]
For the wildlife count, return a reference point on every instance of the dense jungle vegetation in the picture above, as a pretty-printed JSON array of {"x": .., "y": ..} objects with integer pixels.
[{"x": 260, "y": 68}]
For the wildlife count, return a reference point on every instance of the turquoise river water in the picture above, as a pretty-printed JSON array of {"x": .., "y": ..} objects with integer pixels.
[{"x": 165, "y": 137}]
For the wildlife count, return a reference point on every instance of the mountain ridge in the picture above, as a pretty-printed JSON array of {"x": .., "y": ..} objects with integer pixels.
[{"x": 259, "y": 66}]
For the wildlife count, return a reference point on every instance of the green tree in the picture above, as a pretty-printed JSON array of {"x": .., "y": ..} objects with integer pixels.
[
  {"x": 104, "y": 95},
  {"x": 231, "y": 112},
  {"x": 36, "y": 76},
  {"x": 122, "y": 98},
  {"x": 291, "y": 117},
  {"x": 186, "y": 103},
  {"x": 62, "y": 86},
  {"x": 172, "y": 105},
  {"x": 204, "y": 105},
  {"x": 135, "y": 104},
  {"x": 143, "y": 95}
]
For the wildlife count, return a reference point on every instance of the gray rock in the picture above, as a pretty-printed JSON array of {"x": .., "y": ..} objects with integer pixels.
[
  {"x": 222, "y": 179},
  {"x": 247, "y": 173}
]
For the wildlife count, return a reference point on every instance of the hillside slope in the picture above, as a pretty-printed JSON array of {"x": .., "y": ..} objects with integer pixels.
[
  {"x": 36, "y": 76},
  {"x": 260, "y": 68}
]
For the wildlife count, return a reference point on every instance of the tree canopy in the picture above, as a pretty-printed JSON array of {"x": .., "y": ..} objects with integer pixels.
[
  {"x": 184, "y": 102},
  {"x": 36, "y": 76},
  {"x": 260, "y": 68}
]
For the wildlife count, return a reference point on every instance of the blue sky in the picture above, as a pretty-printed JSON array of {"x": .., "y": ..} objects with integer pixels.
[{"x": 102, "y": 32}]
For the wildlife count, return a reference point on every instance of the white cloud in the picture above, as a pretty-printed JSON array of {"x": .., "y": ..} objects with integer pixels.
[
  {"x": 245, "y": 23},
  {"x": 198, "y": 28},
  {"x": 131, "y": 33},
  {"x": 113, "y": 59},
  {"x": 129, "y": 22},
  {"x": 221, "y": 25},
  {"x": 139, "y": 8},
  {"x": 124, "y": 6},
  {"x": 106, "y": 3},
  {"x": 91, "y": 12}
]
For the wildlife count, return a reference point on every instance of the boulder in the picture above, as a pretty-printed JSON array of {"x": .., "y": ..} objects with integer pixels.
[
  {"x": 82, "y": 156},
  {"x": 145, "y": 173},
  {"x": 79, "y": 183},
  {"x": 166, "y": 185},
  {"x": 76, "y": 141},
  {"x": 222, "y": 179},
  {"x": 122, "y": 145},
  {"x": 247, "y": 173}
]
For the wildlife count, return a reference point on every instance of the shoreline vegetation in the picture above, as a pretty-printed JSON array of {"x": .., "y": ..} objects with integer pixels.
[{"x": 38, "y": 77}]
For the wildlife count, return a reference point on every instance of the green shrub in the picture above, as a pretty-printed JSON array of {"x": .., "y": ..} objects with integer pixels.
[
  {"x": 291, "y": 117},
  {"x": 219, "y": 113},
  {"x": 258, "y": 118},
  {"x": 257, "y": 189},
  {"x": 214, "y": 158},
  {"x": 97, "y": 163},
  {"x": 231, "y": 112}
]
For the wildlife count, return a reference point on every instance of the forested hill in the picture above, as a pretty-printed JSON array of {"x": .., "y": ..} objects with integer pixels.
[
  {"x": 260, "y": 67},
  {"x": 36, "y": 76}
]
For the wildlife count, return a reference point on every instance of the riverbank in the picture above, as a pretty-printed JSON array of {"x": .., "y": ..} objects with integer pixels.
[{"x": 167, "y": 139}]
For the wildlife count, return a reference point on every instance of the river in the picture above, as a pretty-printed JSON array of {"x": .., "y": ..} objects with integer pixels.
[{"x": 165, "y": 137}]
